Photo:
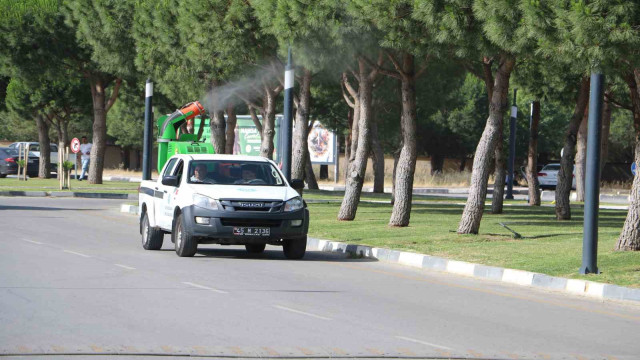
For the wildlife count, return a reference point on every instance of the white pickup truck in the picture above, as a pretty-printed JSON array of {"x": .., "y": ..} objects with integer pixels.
[{"x": 223, "y": 199}]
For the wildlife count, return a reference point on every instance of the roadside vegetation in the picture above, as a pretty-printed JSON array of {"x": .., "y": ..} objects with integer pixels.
[{"x": 547, "y": 246}]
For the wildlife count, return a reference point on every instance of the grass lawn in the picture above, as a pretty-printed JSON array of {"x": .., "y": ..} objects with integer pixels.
[
  {"x": 37, "y": 184},
  {"x": 548, "y": 246}
]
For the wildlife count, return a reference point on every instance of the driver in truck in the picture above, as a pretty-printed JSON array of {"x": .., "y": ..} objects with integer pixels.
[{"x": 200, "y": 175}]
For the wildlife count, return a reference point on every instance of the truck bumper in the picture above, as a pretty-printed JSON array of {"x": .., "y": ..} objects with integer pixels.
[{"x": 220, "y": 229}]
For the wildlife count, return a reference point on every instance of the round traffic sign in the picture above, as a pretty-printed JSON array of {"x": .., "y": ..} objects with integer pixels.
[{"x": 75, "y": 145}]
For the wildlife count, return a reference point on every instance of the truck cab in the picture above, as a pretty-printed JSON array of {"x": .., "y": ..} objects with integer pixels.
[{"x": 223, "y": 199}]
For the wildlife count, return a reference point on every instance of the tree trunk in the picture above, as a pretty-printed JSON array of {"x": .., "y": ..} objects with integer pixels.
[
  {"x": 532, "y": 157},
  {"x": 581, "y": 157},
  {"x": 497, "y": 199},
  {"x": 565, "y": 174},
  {"x": 99, "y": 141},
  {"x": 268, "y": 123},
  {"x": 629, "y": 239},
  {"x": 357, "y": 168},
  {"x": 347, "y": 147},
  {"x": 396, "y": 158},
  {"x": 301, "y": 131},
  {"x": 309, "y": 176},
  {"x": 437, "y": 163},
  {"x": 606, "y": 130},
  {"x": 463, "y": 163},
  {"x": 44, "y": 170},
  {"x": 403, "y": 191},
  {"x": 230, "y": 131},
  {"x": 218, "y": 128},
  {"x": 377, "y": 158},
  {"x": 472, "y": 214}
]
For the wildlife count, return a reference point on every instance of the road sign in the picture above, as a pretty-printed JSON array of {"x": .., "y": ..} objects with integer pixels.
[
  {"x": 633, "y": 168},
  {"x": 75, "y": 145}
]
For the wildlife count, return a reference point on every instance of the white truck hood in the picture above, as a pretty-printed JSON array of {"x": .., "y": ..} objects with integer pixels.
[{"x": 245, "y": 192}]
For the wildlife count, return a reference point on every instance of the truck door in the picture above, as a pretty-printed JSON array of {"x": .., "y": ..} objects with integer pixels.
[
  {"x": 167, "y": 204},
  {"x": 160, "y": 193}
]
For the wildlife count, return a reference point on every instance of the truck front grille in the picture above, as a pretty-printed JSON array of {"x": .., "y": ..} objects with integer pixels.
[
  {"x": 251, "y": 222},
  {"x": 249, "y": 205}
]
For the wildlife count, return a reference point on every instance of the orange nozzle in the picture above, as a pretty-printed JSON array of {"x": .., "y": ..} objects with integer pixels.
[{"x": 194, "y": 107}]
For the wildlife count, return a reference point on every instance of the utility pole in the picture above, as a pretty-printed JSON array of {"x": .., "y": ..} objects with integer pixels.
[
  {"x": 592, "y": 186},
  {"x": 148, "y": 131},
  {"x": 287, "y": 124},
  {"x": 512, "y": 146}
]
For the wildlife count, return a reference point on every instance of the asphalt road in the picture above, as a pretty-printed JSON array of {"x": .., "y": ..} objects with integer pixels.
[{"x": 75, "y": 281}]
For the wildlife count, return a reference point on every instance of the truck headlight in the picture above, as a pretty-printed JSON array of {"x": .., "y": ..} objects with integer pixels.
[
  {"x": 293, "y": 204},
  {"x": 204, "y": 202}
]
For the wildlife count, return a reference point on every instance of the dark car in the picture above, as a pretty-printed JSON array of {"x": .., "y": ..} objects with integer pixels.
[{"x": 9, "y": 163}]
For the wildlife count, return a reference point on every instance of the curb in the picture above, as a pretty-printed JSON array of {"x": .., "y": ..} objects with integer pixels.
[
  {"x": 585, "y": 288},
  {"x": 117, "y": 196},
  {"x": 427, "y": 262},
  {"x": 548, "y": 195}
]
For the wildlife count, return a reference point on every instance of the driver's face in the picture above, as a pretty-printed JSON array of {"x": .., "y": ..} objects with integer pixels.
[
  {"x": 248, "y": 175},
  {"x": 200, "y": 172}
]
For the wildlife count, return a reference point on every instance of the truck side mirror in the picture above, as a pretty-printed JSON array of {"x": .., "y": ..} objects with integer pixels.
[
  {"x": 170, "y": 180},
  {"x": 297, "y": 184}
]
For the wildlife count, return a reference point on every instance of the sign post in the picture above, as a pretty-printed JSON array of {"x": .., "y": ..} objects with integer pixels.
[{"x": 75, "y": 148}]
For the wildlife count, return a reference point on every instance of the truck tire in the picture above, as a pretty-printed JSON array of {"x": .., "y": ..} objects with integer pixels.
[
  {"x": 151, "y": 238},
  {"x": 294, "y": 249},
  {"x": 255, "y": 248},
  {"x": 186, "y": 244}
]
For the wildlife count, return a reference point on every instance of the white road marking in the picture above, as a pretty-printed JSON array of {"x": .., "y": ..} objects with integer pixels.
[
  {"x": 76, "y": 253},
  {"x": 205, "y": 287},
  {"x": 33, "y": 242},
  {"x": 301, "y": 312},
  {"x": 424, "y": 343},
  {"x": 125, "y": 266}
]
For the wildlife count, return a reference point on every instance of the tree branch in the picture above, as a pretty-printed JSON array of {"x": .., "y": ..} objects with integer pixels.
[
  {"x": 256, "y": 121},
  {"x": 609, "y": 98},
  {"x": 114, "y": 95}
]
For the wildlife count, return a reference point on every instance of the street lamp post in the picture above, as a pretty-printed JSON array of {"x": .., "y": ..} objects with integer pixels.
[
  {"x": 512, "y": 146},
  {"x": 148, "y": 131}
]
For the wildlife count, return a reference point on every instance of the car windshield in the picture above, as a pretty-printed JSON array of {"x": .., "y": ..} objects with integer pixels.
[{"x": 224, "y": 172}]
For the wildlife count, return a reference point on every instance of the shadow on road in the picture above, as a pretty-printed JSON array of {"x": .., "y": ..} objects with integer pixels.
[{"x": 240, "y": 253}]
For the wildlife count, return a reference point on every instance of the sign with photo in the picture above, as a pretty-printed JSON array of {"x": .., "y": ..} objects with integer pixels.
[{"x": 322, "y": 144}]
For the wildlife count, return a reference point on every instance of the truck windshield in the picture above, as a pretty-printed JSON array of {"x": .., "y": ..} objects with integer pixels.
[{"x": 225, "y": 172}]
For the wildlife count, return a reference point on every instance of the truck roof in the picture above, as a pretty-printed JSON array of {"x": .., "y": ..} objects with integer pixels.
[{"x": 226, "y": 157}]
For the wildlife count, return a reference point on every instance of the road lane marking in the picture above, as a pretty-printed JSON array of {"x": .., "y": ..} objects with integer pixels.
[
  {"x": 406, "y": 352},
  {"x": 33, "y": 242},
  {"x": 424, "y": 343},
  {"x": 493, "y": 292},
  {"x": 270, "y": 351},
  {"x": 301, "y": 312},
  {"x": 374, "y": 351},
  {"x": 76, "y": 253},
  {"x": 97, "y": 348},
  {"x": 339, "y": 351},
  {"x": 200, "y": 350},
  {"x": 125, "y": 266},
  {"x": 306, "y": 351},
  {"x": 205, "y": 287},
  {"x": 236, "y": 350}
]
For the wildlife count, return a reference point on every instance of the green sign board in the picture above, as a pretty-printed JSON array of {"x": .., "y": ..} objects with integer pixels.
[{"x": 247, "y": 139}]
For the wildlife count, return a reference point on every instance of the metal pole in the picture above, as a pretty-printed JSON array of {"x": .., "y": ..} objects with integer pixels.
[
  {"x": 512, "y": 146},
  {"x": 592, "y": 186},
  {"x": 288, "y": 117},
  {"x": 148, "y": 131}
]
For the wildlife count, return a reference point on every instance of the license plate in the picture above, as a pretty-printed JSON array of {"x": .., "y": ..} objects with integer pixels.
[{"x": 251, "y": 231}]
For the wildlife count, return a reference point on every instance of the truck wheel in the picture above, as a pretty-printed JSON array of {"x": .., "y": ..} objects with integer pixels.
[
  {"x": 255, "y": 248},
  {"x": 294, "y": 249},
  {"x": 151, "y": 238},
  {"x": 186, "y": 244}
]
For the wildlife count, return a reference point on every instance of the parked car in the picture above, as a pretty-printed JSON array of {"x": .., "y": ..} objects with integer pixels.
[
  {"x": 9, "y": 165},
  {"x": 548, "y": 176},
  {"x": 34, "y": 147}
]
